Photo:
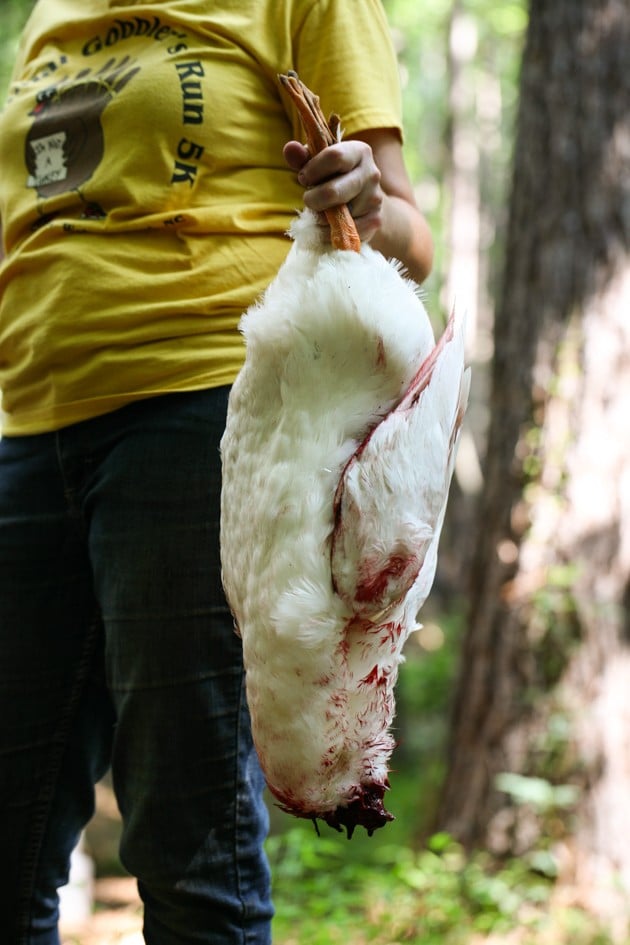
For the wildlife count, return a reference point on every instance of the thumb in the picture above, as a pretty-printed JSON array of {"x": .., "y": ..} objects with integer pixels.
[{"x": 295, "y": 154}]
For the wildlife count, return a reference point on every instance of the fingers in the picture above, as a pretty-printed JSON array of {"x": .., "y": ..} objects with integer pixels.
[
  {"x": 346, "y": 173},
  {"x": 342, "y": 173}
]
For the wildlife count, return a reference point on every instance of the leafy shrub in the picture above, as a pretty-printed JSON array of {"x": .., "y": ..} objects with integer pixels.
[{"x": 327, "y": 895}]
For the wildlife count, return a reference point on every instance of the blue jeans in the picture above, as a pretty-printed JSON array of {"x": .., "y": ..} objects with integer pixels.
[{"x": 117, "y": 648}]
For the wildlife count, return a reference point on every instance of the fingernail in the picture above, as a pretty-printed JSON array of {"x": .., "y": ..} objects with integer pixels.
[{"x": 301, "y": 178}]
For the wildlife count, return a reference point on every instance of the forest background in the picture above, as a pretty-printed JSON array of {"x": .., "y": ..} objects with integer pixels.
[{"x": 513, "y": 763}]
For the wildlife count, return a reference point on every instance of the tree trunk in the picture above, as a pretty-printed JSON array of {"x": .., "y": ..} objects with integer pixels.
[{"x": 544, "y": 688}]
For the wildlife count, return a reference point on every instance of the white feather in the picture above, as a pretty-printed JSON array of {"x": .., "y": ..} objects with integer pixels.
[{"x": 331, "y": 349}]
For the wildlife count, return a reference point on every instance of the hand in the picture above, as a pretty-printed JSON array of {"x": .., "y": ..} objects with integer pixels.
[
  {"x": 342, "y": 173},
  {"x": 368, "y": 173}
]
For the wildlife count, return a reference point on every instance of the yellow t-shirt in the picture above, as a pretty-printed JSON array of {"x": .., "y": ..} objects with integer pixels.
[{"x": 144, "y": 198}]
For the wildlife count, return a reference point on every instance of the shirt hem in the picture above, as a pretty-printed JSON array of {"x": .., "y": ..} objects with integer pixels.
[{"x": 51, "y": 419}]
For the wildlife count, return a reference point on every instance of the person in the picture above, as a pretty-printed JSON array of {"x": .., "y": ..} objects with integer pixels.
[{"x": 150, "y": 167}]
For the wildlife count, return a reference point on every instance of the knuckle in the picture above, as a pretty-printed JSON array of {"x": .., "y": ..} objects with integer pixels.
[
  {"x": 329, "y": 192},
  {"x": 334, "y": 158},
  {"x": 375, "y": 173},
  {"x": 376, "y": 201},
  {"x": 323, "y": 196},
  {"x": 372, "y": 223}
]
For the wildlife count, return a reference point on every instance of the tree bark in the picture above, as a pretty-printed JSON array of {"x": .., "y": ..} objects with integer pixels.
[{"x": 544, "y": 687}]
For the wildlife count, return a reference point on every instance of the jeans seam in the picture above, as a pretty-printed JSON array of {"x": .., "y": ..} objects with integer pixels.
[
  {"x": 237, "y": 812},
  {"x": 74, "y": 509}
]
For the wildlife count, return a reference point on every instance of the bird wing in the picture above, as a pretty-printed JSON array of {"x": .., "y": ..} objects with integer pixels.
[{"x": 390, "y": 501}]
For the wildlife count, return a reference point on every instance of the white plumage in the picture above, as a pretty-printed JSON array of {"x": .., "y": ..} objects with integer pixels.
[{"x": 337, "y": 459}]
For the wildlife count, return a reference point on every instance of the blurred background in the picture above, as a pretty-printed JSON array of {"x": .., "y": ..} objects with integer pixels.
[{"x": 512, "y": 771}]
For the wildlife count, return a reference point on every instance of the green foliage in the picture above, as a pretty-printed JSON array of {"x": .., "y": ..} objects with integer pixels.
[
  {"x": 538, "y": 792},
  {"x": 13, "y": 15},
  {"x": 425, "y": 686},
  {"x": 554, "y": 627},
  {"x": 326, "y": 895},
  {"x": 421, "y": 34},
  {"x": 428, "y": 674}
]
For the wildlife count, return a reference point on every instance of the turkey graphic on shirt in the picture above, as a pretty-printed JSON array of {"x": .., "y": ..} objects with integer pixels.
[{"x": 65, "y": 144}]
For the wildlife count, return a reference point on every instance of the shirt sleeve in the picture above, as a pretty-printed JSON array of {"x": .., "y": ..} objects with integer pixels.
[{"x": 344, "y": 53}]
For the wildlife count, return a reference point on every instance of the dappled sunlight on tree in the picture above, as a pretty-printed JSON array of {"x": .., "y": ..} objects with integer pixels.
[{"x": 543, "y": 689}]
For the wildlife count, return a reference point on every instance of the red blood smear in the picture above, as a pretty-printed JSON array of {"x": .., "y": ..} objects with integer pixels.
[{"x": 374, "y": 587}]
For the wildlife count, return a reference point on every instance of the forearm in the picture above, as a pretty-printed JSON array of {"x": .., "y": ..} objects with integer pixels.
[{"x": 405, "y": 235}]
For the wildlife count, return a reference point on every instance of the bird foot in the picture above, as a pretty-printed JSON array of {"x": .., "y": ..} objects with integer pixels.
[
  {"x": 367, "y": 810},
  {"x": 320, "y": 134}
]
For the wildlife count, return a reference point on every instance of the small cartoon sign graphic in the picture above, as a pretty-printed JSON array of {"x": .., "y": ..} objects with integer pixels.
[{"x": 65, "y": 144}]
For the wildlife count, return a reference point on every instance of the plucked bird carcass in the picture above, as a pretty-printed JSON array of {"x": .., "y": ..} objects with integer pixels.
[{"x": 337, "y": 459}]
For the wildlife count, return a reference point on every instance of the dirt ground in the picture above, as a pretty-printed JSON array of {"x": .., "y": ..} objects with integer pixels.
[
  {"x": 116, "y": 913},
  {"x": 116, "y": 919}
]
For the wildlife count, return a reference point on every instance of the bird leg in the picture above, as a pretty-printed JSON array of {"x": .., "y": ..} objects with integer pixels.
[{"x": 321, "y": 134}]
